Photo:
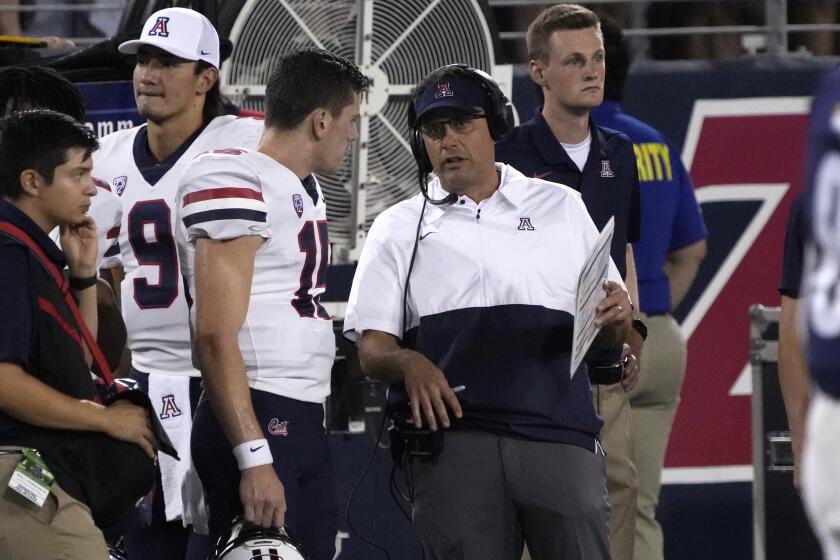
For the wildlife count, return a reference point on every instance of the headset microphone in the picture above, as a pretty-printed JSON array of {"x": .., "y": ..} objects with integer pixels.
[{"x": 422, "y": 177}]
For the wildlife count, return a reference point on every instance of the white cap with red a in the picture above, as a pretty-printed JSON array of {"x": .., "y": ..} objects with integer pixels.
[{"x": 179, "y": 31}]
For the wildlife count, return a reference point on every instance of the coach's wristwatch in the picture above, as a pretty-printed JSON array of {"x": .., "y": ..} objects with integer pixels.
[{"x": 640, "y": 328}]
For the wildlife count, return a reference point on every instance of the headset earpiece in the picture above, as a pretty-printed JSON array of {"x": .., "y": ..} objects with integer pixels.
[
  {"x": 500, "y": 114},
  {"x": 418, "y": 150},
  {"x": 415, "y": 140}
]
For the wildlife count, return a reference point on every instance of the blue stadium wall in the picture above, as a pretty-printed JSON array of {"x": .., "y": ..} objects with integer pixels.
[{"x": 740, "y": 127}]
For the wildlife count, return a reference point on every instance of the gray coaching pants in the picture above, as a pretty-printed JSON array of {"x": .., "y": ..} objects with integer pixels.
[{"x": 485, "y": 494}]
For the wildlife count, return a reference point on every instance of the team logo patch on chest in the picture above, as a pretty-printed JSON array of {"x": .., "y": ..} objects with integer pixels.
[
  {"x": 278, "y": 427},
  {"x": 119, "y": 184},
  {"x": 297, "y": 202},
  {"x": 606, "y": 170},
  {"x": 525, "y": 224},
  {"x": 170, "y": 408}
]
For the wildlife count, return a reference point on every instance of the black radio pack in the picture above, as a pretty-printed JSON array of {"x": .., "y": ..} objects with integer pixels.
[{"x": 409, "y": 441}]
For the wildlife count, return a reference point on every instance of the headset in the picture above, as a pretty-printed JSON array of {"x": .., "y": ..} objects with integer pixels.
[{"x": 499, "y": 119}]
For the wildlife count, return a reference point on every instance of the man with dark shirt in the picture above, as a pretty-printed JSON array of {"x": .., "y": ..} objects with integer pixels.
[
  {"x": 562, "y": 144},
  {"x": 821, "y": 454},
  {"x": 668, "y": 255},
  {"x": 45, "y": 379}
]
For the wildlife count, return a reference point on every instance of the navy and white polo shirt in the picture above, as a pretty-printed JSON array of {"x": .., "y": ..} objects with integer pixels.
[{"x": 490, "y": 301}]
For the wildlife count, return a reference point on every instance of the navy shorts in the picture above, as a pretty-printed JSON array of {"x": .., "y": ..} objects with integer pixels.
[{"x": 302, "y": 460}]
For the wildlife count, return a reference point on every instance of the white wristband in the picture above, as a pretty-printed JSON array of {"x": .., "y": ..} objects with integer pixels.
[{"x": 252, "y": 454}]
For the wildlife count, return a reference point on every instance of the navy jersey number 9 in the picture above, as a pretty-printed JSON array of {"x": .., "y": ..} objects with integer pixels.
[{"x": 157, "y": 249}]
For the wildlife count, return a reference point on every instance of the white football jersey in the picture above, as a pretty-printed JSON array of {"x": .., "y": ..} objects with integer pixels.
[
  {"x": 287, "y": 339},
  {"x": 106, "y": 211},
  {"x": 153, "y": 300}
]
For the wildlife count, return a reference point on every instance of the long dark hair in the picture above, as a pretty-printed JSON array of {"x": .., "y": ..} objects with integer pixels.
[{"x": 213, "y": 105}]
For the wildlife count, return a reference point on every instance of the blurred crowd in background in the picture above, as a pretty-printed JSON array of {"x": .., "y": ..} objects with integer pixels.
[{"x": 741, "y": 25}]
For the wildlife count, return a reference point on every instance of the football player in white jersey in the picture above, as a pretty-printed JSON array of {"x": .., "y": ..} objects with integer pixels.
[
  {"x": 176, "y": 89},
  {"x": 254, "y": 247}
]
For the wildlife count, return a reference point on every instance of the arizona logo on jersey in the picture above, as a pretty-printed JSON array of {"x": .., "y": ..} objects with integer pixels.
[
  {"x": 170, "y": 407},
  {"x": 161, "y": 27}
]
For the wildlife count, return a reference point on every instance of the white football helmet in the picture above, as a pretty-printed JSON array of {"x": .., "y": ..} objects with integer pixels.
[
  {"x": 116, "y": 553},
  {"x": 248, "y": 542}
]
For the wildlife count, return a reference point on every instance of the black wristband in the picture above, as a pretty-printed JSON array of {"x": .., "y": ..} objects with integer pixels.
[
  {"x": 640, "y": 328},
  {"x": 82, "y": 283}
]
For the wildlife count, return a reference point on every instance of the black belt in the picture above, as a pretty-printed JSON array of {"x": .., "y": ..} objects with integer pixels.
[{"x": 606, "y": 374}]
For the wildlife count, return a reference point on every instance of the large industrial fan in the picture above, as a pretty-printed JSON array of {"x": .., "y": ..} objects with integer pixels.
[{"x": 396, "y": 43}]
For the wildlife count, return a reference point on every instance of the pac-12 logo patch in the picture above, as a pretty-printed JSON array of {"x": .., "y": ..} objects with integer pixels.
[
  {"x": 119, "y": 184},
  {"x": 161, "y": 27},
  {"x": 297, "y": 202},
  {"x": 169, "y": 409},
  {"x": 443, "y": 90},
  {"x": 278, "y": 428}
]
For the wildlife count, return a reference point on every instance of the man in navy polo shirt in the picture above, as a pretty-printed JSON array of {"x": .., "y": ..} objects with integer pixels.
[
  {"x": 45, "y": 379},
  {"x": 471, "y": 285},
  {"x": 668, "y": 255},
  {"x": 561, "y": 143}
]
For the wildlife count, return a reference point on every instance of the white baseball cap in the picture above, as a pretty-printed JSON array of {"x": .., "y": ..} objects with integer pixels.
[{"x": 179, "y": 31}]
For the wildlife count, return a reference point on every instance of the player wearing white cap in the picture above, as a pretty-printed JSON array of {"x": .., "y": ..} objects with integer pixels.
[{"x": 177, "y": 92}]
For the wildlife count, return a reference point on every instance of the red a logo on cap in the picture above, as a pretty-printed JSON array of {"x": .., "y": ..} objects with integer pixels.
[
  {"x": 443, "y": 90},
  {"x": 161, "y": 27}
]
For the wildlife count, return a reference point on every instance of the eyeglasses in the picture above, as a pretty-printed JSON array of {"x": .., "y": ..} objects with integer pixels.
[{"x": 462, "y": 124}]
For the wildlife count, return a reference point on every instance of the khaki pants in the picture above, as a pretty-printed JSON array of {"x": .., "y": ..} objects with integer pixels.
[
  {"x": 613, "y": 405},
  {"x": 62, "y": 529},
  {"x": 654, "y": 402}
]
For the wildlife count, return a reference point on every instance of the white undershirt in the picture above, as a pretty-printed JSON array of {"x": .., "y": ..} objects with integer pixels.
[{"x": 579, "y": 152}]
